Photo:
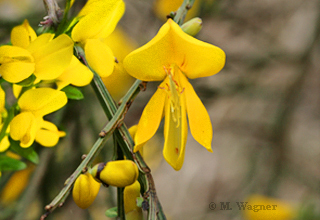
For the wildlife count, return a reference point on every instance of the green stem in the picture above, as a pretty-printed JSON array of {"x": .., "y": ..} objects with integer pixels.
[
  {"x": 182, "y": 11},
  {"x": 104, "y": 135}
]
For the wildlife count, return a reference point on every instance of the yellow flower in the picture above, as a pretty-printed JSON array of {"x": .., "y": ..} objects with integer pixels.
[
  {"x": 98, "y": 19},
  {"x": 173, "y": 56},
  {"x": 260, "y": 207},
  {"x": 85, "y": 190},
  {"x": 119, "y": 173},
  {"x": 130, "y": 195},
  {"x": 42, "y": 56},
  {"x": 34, "y": 104}
]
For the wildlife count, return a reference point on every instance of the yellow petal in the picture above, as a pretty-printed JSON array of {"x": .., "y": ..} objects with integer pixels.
[
  {"x": 147, "y": 62},
  {"x": 42, "y": 101},
  {"x": 17, "y": 63},
  {"x": 22, "y": 35},
  {"x": 85, "y": 190},
  {"x": 199, "y": 119},
  {"x": 2, "y": 100},
  {"x": 48, "y": 135},
  {"x": 39, "y": 42},
  {"x": 100, "y": 57},
  {"x": 23, "y": 128},
  {"x": 172, "y": 46},
  {"x": 16, "y": 89},
  {"x": 130, "y": 195},
  {"x": 150, "y": 118},
  {"x": 99, "y": 19},
  {"x": 76, "y": 74},
  {"x": 4, "y": 143},
  {"x": 194, "y": 57},
  {"x": 175, "y": 133},
  {"x": 53, "y": 58},
  {"x": 119, "y": 173}
]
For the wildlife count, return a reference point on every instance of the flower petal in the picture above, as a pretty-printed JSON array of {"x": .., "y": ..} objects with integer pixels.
[
  {"x": 194, "y": 57},
  {"x": 99, "y": 19},
  {"x": 40, "y": 41},
  {"x": 199, "y": 119},
  {"x": 150, "y": 118},
  {"x": 42, "y": 101},
  {"x": 53, "y": 58},
  {"x": 48, "y": 135},
  {"x": 146, "y": 63},
  {"x": 175, "y": 134},
  {"x": 17, "y": 63},
  {"x": 23, "y": 128},
  {"x": 76, "y": 74},
  {"x": 172, "y": 46},
  {"x": 4, "y": 143},
  {"x": 100, "y": 57},
  {"x": 22, "y": 35}
]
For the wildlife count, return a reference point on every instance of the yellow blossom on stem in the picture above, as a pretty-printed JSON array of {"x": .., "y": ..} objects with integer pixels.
[
  {"x": 98, "y": 19},
  {"x": 173, "y": 56},
  {"x": 45, "y": 56},
  {"x": 119, "y": 173},
  {"x": 85, "y": 190},
  {"x": 34, "y": 104}
]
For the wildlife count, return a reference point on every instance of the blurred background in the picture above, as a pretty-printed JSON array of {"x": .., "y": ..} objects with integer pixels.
[{"x": 264, "y": 106}]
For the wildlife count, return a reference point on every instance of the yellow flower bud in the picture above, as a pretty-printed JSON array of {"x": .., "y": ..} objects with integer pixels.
[
  {"x": 193, "y": 26},
  {"x": 85, "y": 190},
  {"x": 119, "y": 173}
]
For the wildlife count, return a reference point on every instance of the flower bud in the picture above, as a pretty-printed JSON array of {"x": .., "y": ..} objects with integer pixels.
[
  {"x": 193, "y": 26},
  {"x": 119, "y": 173},
  {"x": 85, "y": 190}
]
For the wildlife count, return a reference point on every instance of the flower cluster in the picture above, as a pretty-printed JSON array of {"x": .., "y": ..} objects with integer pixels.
[{"x": 31, "y": 64}]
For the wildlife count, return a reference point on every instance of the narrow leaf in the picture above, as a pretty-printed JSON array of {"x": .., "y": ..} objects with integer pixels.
[
  {"x": 72, "y": 92},
  {"x": 10, "y": 164}
]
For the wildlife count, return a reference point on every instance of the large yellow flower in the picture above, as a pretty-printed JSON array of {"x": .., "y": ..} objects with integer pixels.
[
  {"x": 29, "y": 124},
  {"x": 98, "y": 19},
  {"x": 173, "y": 56},
  {"x": 42, "y": 56}
]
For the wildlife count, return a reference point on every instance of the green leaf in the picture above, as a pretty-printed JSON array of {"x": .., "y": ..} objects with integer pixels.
[
  {"x": 139, "y": 201},
  {"x": 10, "y": 164},
  {"x": 28, "y": 153},
  {"x": 72, "y": 92},
  {"x": 112, "y": 213},
  {"x": 27, "y": 82}
]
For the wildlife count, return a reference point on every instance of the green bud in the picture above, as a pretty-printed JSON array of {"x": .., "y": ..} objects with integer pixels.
[{"x": 193, "y": 26}]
